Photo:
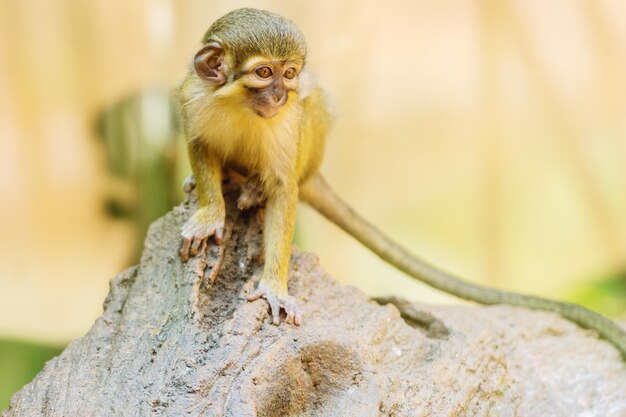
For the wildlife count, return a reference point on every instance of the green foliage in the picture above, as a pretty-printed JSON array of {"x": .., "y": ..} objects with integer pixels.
[
  {"x": 19, "y": 362},
  {"x": 607, "y": 295},
  {"x": 142, "y": 141}
]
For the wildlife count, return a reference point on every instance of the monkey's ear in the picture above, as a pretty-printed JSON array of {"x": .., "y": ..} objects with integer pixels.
[{"x": 210, "y": 65}]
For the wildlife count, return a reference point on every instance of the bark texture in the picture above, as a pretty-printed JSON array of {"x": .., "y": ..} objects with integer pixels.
[{"x": 170, "y": 343}]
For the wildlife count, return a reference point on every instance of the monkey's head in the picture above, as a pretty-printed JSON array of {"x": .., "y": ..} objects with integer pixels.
[{"x": 258, "y": 53}]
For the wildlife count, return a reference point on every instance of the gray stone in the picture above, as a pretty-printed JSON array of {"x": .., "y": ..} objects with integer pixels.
[{"x": 170, "y": 343}]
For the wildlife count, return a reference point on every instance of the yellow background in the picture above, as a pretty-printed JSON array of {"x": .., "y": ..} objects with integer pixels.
[{"x": 487, "y": 136}]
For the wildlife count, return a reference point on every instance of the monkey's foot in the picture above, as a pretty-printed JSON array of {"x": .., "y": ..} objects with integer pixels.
[
  {"x": 204, "y": 223},
  {"x": 287, "y": 303},
  {"x": 251, "y": 193},
  {"x": 189, "y": 184}
]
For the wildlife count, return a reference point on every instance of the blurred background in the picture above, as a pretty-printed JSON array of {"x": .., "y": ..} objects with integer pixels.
[{"x": 487, "y": 136}]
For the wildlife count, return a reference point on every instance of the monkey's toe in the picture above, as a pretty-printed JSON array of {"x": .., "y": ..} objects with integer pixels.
[
  {"x": 251, "y": 193},
  {"x": 247, "y": 201},
  {"x": 294, "y": 315},
  {"x": 288, "y": 303}
]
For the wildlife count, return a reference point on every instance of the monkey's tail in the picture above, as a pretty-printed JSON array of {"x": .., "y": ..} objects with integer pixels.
[{"x": 318, "y": 195}]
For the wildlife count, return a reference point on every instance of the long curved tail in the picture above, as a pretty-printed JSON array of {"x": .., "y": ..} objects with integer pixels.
[{"x": 318, "y": 195}]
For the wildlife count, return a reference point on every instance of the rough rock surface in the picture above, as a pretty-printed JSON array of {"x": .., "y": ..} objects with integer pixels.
[{"x": 171, "y": 344}]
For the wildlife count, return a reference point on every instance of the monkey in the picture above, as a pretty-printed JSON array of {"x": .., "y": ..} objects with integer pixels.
[
  {"x": 247, "y": 104},
  {"x": 250, "y": 104}
]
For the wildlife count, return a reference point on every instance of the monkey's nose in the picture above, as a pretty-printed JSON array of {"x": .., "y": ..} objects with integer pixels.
[
  {"x": 279, "y": 99},
  {"x": 278, "y": 93}
]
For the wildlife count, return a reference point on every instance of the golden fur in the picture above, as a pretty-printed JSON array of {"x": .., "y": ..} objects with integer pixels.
[{"x": 223, "y": 131}]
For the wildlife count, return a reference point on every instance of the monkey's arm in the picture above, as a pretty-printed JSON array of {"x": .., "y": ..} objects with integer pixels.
[
  {"x": 208, "y": 220},
  {"x": 280, "y": 219},
  {"x": 318, "y": 194}
]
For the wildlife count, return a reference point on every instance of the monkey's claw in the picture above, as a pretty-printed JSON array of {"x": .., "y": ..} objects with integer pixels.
[
  {"x": 196, "y": 232},
  {"x": 287, "y": 303}
]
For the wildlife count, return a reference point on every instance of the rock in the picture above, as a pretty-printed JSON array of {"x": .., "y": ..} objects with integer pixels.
[{"x": 170, "y": 343}]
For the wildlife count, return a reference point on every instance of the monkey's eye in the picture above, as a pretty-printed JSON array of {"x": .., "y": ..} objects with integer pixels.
[
  {"x": 264, "y": 72},
  {"x": 290, "y": 73}
]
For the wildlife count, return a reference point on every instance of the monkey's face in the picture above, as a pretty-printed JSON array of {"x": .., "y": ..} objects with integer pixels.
[{"x": 267, "y": 82}]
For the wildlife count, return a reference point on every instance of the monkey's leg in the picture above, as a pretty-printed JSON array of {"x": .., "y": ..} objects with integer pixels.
[
  {"x": 280, "y": 219},
  {"x": 208, "y": 220},
  {"x": 251, "y": 193}
]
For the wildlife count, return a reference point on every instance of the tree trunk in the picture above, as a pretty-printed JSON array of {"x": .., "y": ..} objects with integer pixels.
[{"x": 171, "y": 343}]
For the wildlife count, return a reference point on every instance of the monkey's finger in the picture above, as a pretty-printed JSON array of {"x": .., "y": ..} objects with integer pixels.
[
  {"x": 183, "y": 253},
  {"x": 293, "y": 312},
  {"x": 219, "y": 235},
  {"x": 257, "y": 295},
  {"x": 275, "y": 308},
  {"x": 197, "y": 241},
  {"x": 291, "y": 315}
]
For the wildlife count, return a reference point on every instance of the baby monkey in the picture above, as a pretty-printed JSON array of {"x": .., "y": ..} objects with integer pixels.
[{"x": 250, "y": 105}]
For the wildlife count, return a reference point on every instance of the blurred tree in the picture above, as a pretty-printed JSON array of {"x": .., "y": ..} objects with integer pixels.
[{"x": 141, "y": 135}]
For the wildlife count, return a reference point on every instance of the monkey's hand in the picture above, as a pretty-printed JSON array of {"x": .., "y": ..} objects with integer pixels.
[
  {"x": 276, "y": 302},
  {"x": 206, "y": 222}
]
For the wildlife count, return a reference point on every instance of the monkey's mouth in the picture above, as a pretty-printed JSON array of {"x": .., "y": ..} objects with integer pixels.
[
  {"x": 267, "y": 112},
  {"x": 269, "y": 108}
]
